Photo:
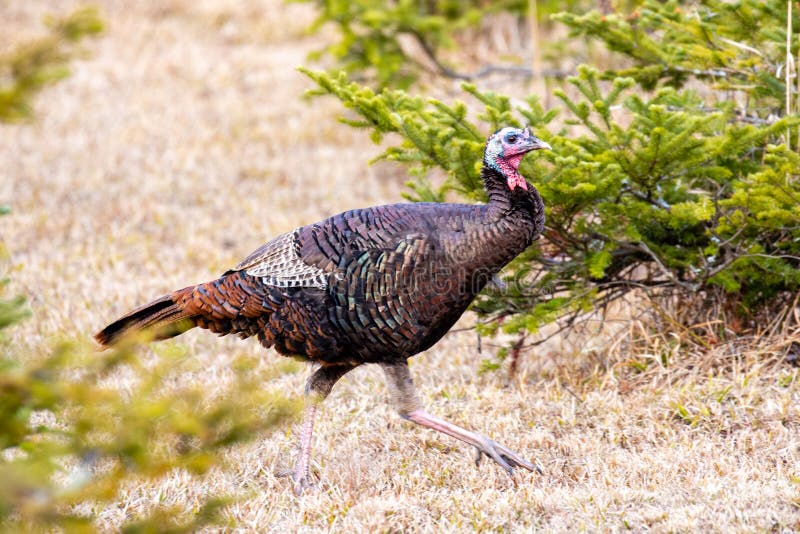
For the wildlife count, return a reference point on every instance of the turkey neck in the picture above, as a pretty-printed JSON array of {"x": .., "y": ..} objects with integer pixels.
[
  {"x": 503, "y": 228},
  {"x": 506, "y": 203},
  {"x": 517, "y": 214}
]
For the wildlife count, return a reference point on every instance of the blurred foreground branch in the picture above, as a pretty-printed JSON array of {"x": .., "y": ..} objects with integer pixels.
[{"x": 32, "y": 66}]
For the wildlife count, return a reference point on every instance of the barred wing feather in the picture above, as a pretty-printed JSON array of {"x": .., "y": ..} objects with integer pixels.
[{"x": 279, "y": 264}]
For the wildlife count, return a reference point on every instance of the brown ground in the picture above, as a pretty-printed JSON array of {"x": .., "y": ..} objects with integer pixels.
[{"x": 181, "y": 143}]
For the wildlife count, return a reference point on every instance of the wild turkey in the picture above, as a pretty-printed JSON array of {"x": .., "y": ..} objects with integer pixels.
[{"x": 374, "y": 285}]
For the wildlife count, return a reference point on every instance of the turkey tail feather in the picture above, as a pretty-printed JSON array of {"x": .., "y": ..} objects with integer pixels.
[{"x": 162, "y": 316}]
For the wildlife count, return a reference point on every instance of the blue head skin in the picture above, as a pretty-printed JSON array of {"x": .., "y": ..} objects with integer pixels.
[{"x": 505, "y": 149}]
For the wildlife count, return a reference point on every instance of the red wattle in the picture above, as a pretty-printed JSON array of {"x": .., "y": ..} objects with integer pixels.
[
  {"x": 515, "y": 180},
  {"x": 509, "y": 166}
]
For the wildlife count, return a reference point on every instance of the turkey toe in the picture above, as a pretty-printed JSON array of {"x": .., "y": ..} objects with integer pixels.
[{"x": 505, "y": 457}]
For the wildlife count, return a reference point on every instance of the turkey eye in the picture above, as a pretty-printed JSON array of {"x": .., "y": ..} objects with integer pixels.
[{"x": 511, "y": 138}]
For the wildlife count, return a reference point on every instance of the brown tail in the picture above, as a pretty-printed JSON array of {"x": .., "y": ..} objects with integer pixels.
[{"x": 162, "y": 316}]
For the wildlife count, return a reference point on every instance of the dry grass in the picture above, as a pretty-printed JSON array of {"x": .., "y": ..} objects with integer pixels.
[{"x": 181, "y": 144}]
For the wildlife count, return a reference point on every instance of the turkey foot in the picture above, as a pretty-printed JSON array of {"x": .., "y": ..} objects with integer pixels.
[
  {"x": 300, "y": 482},
  {"x": 408, "y": 404},
  {"x": 502, "y": 455}
]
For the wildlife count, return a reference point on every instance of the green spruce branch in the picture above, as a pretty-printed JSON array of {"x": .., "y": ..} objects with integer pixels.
[{"x": 653, "y": 185}]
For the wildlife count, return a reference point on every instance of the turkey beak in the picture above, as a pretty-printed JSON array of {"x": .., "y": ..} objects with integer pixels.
[{"x": 533, "y": 142}]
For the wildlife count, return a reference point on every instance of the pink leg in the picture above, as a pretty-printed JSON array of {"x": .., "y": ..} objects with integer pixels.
[
  {"x": 300, "y": 473},
  {"x": 410, "y": 408},
  {"x": 318, "y": 387}
]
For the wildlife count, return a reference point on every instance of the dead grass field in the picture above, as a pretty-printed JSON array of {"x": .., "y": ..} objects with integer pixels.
[{"x": 180, "y": 144}]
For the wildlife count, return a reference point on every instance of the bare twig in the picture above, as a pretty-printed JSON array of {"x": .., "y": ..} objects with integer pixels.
[
  {"x": 664, "y": 269},
  {"x": 484, "y": 71},
  {"x": 569, "y": 390},
  {"x": 516, "y": 348},
  {"x": 739, "y": 115},
  {"x": 742, "y": 46},
  {"x": 705, "y": 73},
  {"x": 780, "y": 256}
]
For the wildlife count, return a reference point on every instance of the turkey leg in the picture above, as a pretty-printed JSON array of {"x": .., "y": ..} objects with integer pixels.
[
  {"x": 408, "y": 404},
  {"x": 318, "y": 387}
]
